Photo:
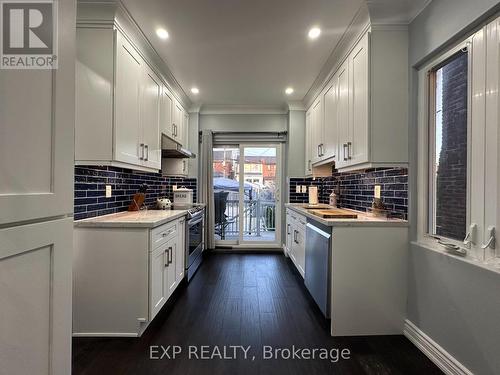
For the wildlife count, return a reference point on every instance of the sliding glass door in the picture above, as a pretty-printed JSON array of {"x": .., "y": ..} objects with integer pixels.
[{"x": 247, "y": 179}]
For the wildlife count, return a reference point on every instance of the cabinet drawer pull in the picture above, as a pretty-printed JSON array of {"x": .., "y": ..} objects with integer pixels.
[
  {"x": 170, "y": 255},
  {"x": 343, "y": 151},
  {"x": 142, "y": 151}
]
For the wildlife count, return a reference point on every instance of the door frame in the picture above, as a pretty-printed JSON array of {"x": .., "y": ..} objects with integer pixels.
[{"x": 240, "y": 243}]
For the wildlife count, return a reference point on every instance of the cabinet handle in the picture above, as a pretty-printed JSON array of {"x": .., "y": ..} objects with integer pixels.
[
  {"x": 349, "y": 148},
  {"x": 343, "y": 151},
  {"x": 288, "y": 229},
  {"x": 146, "y": 147},
  {"x": 142, "y": 151},
  {"x": 183, "y": 166},
  {"x": 170, "y": 255}
]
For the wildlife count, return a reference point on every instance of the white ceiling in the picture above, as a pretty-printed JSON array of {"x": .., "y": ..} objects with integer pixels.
[{"x": 244, "y": 52}]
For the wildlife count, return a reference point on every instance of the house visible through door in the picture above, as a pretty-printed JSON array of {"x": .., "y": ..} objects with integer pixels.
[{"x": 246, "y": 194}]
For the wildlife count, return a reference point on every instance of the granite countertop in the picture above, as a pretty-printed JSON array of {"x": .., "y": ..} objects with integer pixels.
[
  {"x": 133, "y": 219},
  {"x": 364, "y": 218}
]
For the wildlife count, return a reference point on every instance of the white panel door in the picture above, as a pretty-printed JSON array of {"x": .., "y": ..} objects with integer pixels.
[
  {"x": 157, "y": 291},
  {"x": 170, "y": 273},
  {"x": 343, "y": 116},
  {"x": 359, "y": 97},
  {"x": 128, "y": 147},
  {"x": 166, "y": 113},
  {"x": 35, "y": 298},
  {"x": 329, "y": 148},
  {"x": 150, "y": 118},
  {"x": 37, "y": 119},
  {"x": 180, "y": 256},
  {"x": 178, "y": 119},
  {"x": 308, "y": 145},
  {"x": 317, "y": 129}
]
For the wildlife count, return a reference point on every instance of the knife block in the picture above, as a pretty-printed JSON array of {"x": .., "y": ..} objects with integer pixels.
[{"x": 137, "y": 202}]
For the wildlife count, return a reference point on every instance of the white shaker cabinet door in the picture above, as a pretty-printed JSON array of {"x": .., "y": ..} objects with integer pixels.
[
  {"x": 150, "y": 119},
  {"x": 35, "y": 298},
  {"x": 157, "y": 291},
  {"x": 166, "y": 113},
  {"x": 329, "y": 148},
  {"x": 343, "y": 116},
  {"x": 37, "y": 119},
  {"x": 359, "y": 102},
  {"x": 181, "y": 251},
  {"x": 128, "y": 145}
]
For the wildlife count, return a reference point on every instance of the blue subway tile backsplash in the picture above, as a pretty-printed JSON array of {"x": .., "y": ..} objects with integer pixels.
[
  {"x": 90, "y": 181},
  {"x": 355, "y": 189}
]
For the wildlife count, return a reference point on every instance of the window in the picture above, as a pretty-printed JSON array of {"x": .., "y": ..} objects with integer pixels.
[
  {"x": 458, "y": 176},
  {"x": 448, "y": 147}
]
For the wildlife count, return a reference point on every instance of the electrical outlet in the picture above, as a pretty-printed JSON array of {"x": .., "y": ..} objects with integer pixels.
[
  {"x": 297, "y": 189},
  {"x": 174, "y": 187},
  {"x": 304, "y": 188},
  {"x": 108, "y": 191}
]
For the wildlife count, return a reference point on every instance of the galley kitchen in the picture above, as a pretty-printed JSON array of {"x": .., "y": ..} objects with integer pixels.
[{"x": 249, "y": 187}]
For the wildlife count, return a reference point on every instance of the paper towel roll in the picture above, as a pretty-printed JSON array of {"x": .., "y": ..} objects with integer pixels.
[{"x": 313, "y": 195}]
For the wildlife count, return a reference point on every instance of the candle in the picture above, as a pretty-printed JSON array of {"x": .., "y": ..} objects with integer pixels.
[{"x": 377, "y": 191}]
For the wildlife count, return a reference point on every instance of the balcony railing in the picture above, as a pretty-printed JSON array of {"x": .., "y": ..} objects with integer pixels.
[{"x": 259, "y": 219}]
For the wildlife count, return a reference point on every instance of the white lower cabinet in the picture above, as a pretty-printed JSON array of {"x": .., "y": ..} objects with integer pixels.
[
  {"x": 296, "y": 235},
  {"x": 123, "y": 276}
]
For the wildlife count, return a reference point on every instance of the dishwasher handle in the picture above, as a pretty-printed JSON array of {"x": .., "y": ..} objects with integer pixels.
[{"x": 319, "y": 231}]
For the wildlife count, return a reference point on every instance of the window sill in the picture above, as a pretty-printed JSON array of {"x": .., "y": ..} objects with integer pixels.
[{"x": 492, "y": 265}]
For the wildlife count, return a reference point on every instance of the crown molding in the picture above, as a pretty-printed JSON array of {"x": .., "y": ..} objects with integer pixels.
[
  {"x": 296, "y": 106},
  {"x": 358, "y": 26},
  {"x": 113, "y": 13},
  {"x": 242, "y": 110}
]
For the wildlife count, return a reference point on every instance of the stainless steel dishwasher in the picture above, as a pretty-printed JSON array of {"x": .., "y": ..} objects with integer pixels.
[{"x": 318, "y": 259}]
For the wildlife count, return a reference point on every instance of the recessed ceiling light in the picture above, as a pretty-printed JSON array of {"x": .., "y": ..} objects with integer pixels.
[
  {"x": 314, "y": 33},
  {"x": 289, "y": 91},
  {"x": 162, "y": 33},
  {"x": 195, "y": 90}
]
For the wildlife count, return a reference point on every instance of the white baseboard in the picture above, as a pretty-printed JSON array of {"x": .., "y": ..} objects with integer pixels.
[{"x": 437, "y": 354}]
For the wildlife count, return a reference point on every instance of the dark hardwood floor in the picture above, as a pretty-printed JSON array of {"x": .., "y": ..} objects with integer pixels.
[{"x": 246, "y": 299}]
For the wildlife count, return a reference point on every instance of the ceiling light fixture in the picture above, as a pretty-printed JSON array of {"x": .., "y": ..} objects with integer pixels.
[
  {"x": 314, "y": 33},
  {"x": 195, "y": 90},
  {"x": 289, "y": 91},
  {"x": 162, "y": 33}
]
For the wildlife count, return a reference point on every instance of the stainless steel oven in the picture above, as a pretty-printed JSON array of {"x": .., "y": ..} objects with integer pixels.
[{"x": 194, "y": 241}]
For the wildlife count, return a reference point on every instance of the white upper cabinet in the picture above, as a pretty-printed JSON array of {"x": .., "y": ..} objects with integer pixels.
[
  {"x": 150, "y": 118},
  {"x": 358, "y": 102},
  {"x": 128, "y": 148},
  {"x": 330, "y": 101},
  {"x": 360, "y": 118},
  {"x": 166, "y": 118},
  {"x": 123, "y": 105},
  {"x": 343, "y": 133}
]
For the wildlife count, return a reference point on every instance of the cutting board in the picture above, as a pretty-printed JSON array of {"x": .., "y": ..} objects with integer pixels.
[{"x": 334, "y": 213}]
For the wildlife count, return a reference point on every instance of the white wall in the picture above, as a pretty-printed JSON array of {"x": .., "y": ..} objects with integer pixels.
[
  {"x": 296, "y": 143},
  {"x": 244, "y": 123},
  {"x": 455, "y": 303}
]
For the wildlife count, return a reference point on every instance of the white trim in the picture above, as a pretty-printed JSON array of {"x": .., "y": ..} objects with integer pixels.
[
  {"x": 437, "y": 354},
  {"x": 296, "y": 106},
  {"x": 415, "y": 13},
  {"x": 242, "y": 110},
  {"x": 118, "y": 164},
  {"x": 359, "y": 25}
]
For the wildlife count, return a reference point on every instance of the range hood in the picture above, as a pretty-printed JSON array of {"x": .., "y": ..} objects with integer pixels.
[{"x": 170, "y": 148}]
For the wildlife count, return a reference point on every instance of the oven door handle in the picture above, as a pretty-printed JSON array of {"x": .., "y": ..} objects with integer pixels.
[{"x": 195, "y": 221}]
